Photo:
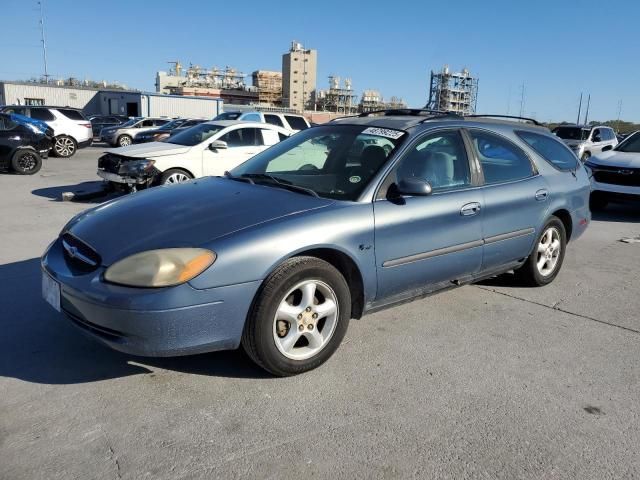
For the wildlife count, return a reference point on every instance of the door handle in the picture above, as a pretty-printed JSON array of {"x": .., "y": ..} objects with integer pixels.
[
  {"x": 541, "y": 195},
  {"x": 469, "y": 209}
]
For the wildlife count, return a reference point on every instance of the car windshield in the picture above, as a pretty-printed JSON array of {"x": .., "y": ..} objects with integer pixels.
[
  {"x": 173, "y": 124},
  {"x": 572, "y": 133},
  {"x": 334, "y": 161},
  {"x": 195, "y": 135},
  {"x": 631, "y": 144},
  {"x": 130, "y": 123}
]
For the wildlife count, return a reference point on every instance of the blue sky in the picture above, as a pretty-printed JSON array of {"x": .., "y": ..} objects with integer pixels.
[{"x": 556, "y": 48}]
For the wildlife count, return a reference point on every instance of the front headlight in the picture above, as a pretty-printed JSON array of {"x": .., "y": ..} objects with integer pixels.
[
  {"x": 160, "y": 268},
  {"x": 136, "y": 167}
]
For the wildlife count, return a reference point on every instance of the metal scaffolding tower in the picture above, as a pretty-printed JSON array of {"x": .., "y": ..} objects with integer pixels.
[{"x": 453, "y": 91}]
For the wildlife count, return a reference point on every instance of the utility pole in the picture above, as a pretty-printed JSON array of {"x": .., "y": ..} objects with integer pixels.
[
  {"x": 579, "y": 109},
  {"x": 522, "y": 100},
  {"x": 619, "y": 112},
  {"x": 586, "y": 113},
  {"x": 509, "y": 100},
  {"x": 44, "y": 43}
]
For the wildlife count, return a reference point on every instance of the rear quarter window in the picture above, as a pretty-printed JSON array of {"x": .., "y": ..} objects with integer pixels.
[
  {"x": 72, "y": 114},
  {"x": 552, "y": 150}
]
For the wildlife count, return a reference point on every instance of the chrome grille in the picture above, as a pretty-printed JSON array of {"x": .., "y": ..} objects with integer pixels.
[{"x": 78, "y": 254}]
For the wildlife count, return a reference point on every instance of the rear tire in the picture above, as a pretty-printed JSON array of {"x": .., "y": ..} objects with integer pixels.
[
  {"x": 544, "y": 263},
  {"x": 64, "y": 146},
  {"x": 298, "y": 318},
  {"x": 175, "y": 175},
  {"x": 26, "y": 162}
]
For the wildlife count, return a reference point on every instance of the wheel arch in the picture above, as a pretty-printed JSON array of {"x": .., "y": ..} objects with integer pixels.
[
  {"x": 185, "y": 170},
  {"x": 565, "y": 218}
]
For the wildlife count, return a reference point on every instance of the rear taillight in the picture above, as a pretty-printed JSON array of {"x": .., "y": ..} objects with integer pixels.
[{"x": 88, "y": 125}]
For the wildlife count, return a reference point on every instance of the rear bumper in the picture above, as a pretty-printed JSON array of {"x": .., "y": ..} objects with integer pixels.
[{"x": 86, "y": 143}]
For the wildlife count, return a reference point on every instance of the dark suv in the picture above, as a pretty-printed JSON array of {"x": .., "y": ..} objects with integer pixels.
[{"x": 23, "y": 144}]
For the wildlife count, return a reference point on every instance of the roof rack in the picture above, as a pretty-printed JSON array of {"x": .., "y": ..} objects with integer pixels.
[
  {"x": 513, "y": 117},
  {"x": 416, "y": 112}
]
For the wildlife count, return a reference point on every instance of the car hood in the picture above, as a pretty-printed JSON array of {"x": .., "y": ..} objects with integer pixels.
[
  {"x": 613, "y": 158},
  {"x": 186, "y": 215},
  {"x": 150, "y": 150}
]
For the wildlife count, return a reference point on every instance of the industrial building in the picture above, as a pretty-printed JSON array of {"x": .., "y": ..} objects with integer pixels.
[
  {"x": 94, "y": 101},
  {"x": 372, "y": 100},
  {"x": 227, "y": 84},
  {"x": 299, "y": 66},
  {"x": 269, "y": 87},
  {"x": 339, "y": 98},
  {"x": 453, "y": 91}
]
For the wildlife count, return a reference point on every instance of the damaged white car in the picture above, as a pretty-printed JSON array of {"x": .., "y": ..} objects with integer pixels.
[{"x": 208, "y": 149}]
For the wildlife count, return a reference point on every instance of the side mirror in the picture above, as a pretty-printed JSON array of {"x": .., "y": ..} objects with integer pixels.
[
  {"x": 607, "y": 148},
  {"x": 414, "y": 187},
  {"x": 218, "y": 145}
]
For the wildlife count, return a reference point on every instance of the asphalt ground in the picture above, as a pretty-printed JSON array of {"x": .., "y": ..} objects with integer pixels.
[{"x": 485, "y": 381}]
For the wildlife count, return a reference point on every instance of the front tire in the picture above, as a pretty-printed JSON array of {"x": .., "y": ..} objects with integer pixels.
[
  {"x": 544, "y": 263},
  {"x": 65, "y": 146},
  {"x": 298, "y": 318},
  {"x": 26, "y": 162},
  {"x": 124, "y": 140},
  {"x": 174, "y": 176}
]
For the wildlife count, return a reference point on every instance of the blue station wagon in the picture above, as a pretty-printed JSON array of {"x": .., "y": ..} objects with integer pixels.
[{"x": 328, "y": 225}]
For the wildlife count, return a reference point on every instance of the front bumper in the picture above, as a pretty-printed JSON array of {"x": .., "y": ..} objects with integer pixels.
[
  {"x": 171, "y": 321},
  {"x": 114, "y": 177},
  {"x": 621, "y": 190}
]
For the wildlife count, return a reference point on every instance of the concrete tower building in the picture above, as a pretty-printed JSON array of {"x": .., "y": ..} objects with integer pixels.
[{"x": 299, "y": 67}]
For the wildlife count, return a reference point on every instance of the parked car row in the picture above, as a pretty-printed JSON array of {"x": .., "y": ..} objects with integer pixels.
[
  {"x": 71, "y": 129},
  {"x": 290, "y": 121}
]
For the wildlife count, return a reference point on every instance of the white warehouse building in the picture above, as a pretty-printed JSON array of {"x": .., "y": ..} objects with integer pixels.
[{"x": 93, "y": 101}]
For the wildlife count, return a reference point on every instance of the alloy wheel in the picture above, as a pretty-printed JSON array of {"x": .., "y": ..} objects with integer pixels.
[
  {"x": 177, "y": 178},
  {"x": 549, "y": 249},
  {"x": 27, "y": 162},
  {"x": 64, "y": 147},
  {"x": 305, "y": 320},
  {"x": 124, "y": 141}
]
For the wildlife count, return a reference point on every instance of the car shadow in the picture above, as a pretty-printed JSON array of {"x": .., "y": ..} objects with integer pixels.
[
  {"x": 85, "y": 192},
  {"x": 619, "y": 212},
  {"x": 39, "y": 345}
]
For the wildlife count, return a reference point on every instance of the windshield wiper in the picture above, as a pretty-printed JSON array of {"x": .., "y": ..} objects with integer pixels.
[
  {"x": 238, "y": 179},
  {"x": 280, "y": 182}
]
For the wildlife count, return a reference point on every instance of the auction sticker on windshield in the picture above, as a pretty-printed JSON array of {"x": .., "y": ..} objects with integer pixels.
[{"x": 384, "y": 132}]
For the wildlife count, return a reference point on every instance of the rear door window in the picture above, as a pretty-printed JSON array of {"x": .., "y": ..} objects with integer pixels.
[
  {"x": 243, "y": 137},
  {"x": 72, "y": 114},
  {"x": 552, "y": 150},
  {"x": 42, "y": 114},
  {"x": 296, "y": 123},
  {"x": 501, "y": 160}
]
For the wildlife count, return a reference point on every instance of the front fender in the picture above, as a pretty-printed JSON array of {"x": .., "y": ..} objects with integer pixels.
[{"x": 254, "y": 253}]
